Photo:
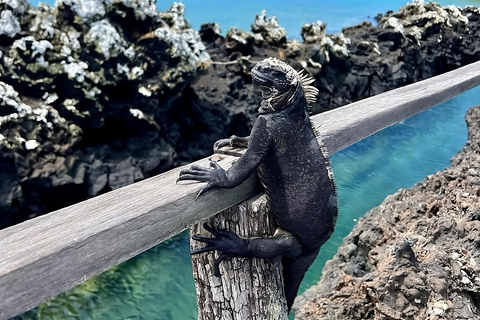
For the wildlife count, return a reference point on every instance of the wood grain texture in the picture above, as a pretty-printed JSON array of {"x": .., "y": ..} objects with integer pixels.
[
  {"x": 342, "y": 127},
  {"x": 50, "y": 254},
  {"x": 248, "y": 288}
]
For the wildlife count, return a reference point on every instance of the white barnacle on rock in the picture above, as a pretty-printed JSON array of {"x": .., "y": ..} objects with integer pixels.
[
  {"x": 129, "y": 52},
  {"x": 458, "y": 258},
  {"x": 439, "y": 307},
  {"x": 31, "y": 144},
  {"x": 141, "y": 8},
  {"x": 186, "y": 44},
  {"x": 137, "y": 113},
  {"x": 93, "y": 92},
  {"x": 135, "y": 73},
  {"x": 37, "y": 48},
  {"x": 393, "y": 23},
  {"x": 44, "y": 22},
  {"x": 70, "y": 42},
  {"x": 122, "y": 69},
  {"x": 175, "y": 16},
  {"x": 41, "y": 113},
  {"x": 435, "y": 15},
  {"x": 466, "y": 280},
  {"x": 105, "y": 38},
  {"x": 18, "y": 6},
  {"x": 333, "y": 44},
  {"x": 313, "y": 32},
  {"x": 12, "y": 106},
  {"x": 237, "y": 35},
  {"x": 75, "y": 70},
  {"x": 415, "y": 32},
  {"x": 65, "y": 51},
  {"x": 269, "y": 27},
  {"x": 49, "y": 97},
  {"x": 85, "y": 9},
  {"x": 144, "y": 91},
  {"x": 9, "y": 25},
  {"x": 70, "y": 106},
  {"x": 454, "y": 13},
  {"x": 339, "y": 47},
  {"x": 56, "y": 117},
  {"x": 38, "y": 51}
]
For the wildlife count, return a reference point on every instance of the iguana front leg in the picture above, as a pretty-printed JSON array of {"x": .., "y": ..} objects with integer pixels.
[
  {"x": 259, "y": 143},
  {"x": 233, "y": 141}
]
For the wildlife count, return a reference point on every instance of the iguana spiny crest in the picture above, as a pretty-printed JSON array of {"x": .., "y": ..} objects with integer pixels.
[{"x": 281, "y": 85}]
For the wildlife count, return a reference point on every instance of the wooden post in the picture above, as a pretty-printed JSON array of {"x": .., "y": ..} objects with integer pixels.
[{"x": 248, "y": 288}]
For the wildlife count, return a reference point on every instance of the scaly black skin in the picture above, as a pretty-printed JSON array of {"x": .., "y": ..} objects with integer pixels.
[{"x": 294, "y": 172}]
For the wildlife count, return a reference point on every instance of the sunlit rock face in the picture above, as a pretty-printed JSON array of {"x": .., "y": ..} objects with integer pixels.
[
  {"x": 419, "y": 41},
  {"x": 87, "y": 96}
]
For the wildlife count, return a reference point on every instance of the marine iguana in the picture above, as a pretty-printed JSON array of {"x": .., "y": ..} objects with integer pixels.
[{"x": 294, "y": 169}]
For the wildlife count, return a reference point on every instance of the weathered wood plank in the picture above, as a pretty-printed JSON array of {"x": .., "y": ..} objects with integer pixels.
[
  {"x": 50, "y": 254},
  {"x": 349, "y": 124}
]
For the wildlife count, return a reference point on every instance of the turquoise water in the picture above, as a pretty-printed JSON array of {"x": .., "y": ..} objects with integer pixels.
[{"x": 158, "y": 284}]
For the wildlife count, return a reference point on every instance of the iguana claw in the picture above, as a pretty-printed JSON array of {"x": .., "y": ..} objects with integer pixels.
[
  {"x": 214, "y": 176},
  {"x": 225, "y": 241}
]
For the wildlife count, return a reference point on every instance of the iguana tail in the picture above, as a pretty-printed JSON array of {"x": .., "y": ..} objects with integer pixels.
[{"x": 294, "y": 270}]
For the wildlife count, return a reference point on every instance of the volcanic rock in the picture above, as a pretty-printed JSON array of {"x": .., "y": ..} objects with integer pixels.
[
  {"x": 97, "y": 94},
  {"x": 416, "y": 256},
  {"x": 88, "y": 91}
]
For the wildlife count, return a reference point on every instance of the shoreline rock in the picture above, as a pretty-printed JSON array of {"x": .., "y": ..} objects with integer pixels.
[
  {"x": 87, "y": 92},
  {"x": 415, "y": 256},
  {"x": 99, "y": 94}
]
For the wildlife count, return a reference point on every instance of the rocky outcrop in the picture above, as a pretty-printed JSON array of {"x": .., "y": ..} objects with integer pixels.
[
  {"x": 89, "y": 95},
  {"x": 98, "y": 94},
  {"x": 419, "y": 41},
  {"x": 416, "y": 256}
]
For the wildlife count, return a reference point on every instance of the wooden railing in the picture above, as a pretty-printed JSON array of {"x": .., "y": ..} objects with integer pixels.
[{"x": 50, "y": 254}]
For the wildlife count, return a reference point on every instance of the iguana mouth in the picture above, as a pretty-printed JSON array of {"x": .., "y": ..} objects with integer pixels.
[
  {"x": 265, "y": 85},
  {"x": 268, "y": 92}
]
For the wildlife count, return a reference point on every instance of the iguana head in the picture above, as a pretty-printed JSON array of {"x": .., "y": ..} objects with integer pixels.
[{"x": 281, "y": 85}]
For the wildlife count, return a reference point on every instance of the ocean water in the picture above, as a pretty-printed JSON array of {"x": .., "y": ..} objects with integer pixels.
[{"x": 158, "y": 284}]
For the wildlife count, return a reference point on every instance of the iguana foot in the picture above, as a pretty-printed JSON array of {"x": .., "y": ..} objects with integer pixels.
[
  {"x": 220, "y": 144},
  {"x": 233, "y": 141},
  {"x": 215, "y": 176},
  {"x": 225, "y": 241}
]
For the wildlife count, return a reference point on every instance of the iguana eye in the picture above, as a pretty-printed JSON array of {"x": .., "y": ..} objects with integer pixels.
[{"x": 278, "y": 74}]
